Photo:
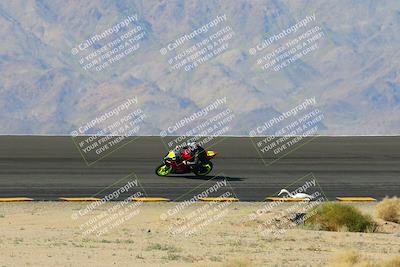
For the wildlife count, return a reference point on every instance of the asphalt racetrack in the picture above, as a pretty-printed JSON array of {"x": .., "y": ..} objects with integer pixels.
[{"x": 47, "y": 168}]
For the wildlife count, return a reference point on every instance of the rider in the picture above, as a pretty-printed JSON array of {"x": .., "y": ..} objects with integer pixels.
[
  {"x": 178, "y": 153},
  {"x": 198, "y": 154}
]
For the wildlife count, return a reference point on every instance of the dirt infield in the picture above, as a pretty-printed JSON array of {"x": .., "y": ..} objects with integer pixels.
[{"x": 170, "y": 234}]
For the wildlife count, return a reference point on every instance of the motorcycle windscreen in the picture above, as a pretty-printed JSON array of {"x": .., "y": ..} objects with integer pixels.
[{"x": 171, "y": 155}]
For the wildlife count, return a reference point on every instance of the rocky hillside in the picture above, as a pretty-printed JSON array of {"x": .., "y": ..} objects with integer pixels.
[{"x": 64, "y": 63}]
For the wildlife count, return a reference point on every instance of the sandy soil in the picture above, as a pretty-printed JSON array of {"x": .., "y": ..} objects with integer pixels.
[{"x": 154, "y": 234}]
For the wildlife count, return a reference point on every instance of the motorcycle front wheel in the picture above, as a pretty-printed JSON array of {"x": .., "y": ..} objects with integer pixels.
[
  {"x": 204, "y": 169},
  {"x": 163, "y": 170}
]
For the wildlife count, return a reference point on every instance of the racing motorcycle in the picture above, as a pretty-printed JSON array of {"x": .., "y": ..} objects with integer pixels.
[{"x": 170, "y": 164}]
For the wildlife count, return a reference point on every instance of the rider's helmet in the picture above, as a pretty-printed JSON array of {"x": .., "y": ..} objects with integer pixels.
[
  {"x": 177, "y": 151},
  {"x": 191, "y": 145}
]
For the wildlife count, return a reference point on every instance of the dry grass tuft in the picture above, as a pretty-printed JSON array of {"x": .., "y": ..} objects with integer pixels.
[
  {"x": 389, "y": 209},
  {"x": 395, "y": 262},
  {"x": 234, "y": 262},
  {"x": 354, "y": 259},
  {"x": 349, "y": 258},
  {"x": 237, "y": 262}
]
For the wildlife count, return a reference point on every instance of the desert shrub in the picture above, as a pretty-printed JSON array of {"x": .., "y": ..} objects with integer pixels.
[
  {"x": 389, "y": 209},
  {"x": 339, "y": 217}
]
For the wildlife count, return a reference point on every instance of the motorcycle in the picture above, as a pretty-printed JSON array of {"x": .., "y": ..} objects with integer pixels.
[{"x": 170, "y": 165}]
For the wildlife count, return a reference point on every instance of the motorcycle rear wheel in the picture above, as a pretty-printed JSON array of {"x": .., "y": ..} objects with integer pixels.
[
  {"x": 205, "y": 169},
  {"x": 163, "y": 170}
]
